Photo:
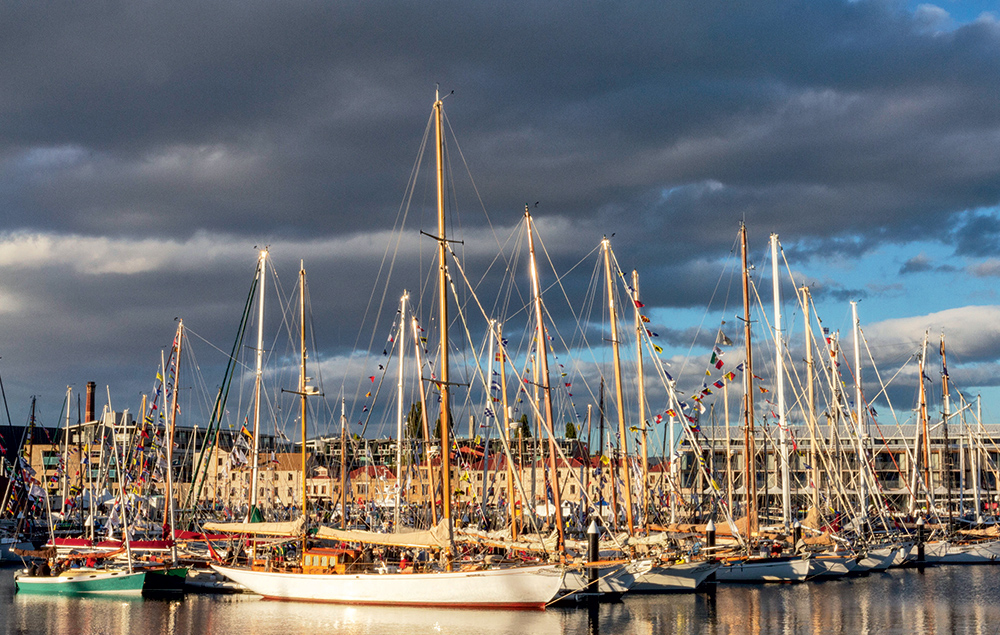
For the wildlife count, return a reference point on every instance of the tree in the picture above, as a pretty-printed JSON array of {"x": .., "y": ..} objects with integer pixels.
[
  {"x": 570, "y": 430},
  {"x": 525, "y": 428},
  {"x": 414, "y": 421}
]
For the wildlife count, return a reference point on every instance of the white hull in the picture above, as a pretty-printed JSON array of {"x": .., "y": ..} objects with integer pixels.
[
  {"x": 831, "y": 566},
  {"x": 882, "y": 558},
  {"x": 614, "y": 580},
  {"x": 675, "y": 578},
  {"x": 789, "y": 569},
  {"x": 957, "y": 553},
  {"x": 516, "y": 587}
]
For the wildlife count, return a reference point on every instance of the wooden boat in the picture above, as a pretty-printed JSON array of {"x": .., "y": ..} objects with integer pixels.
[
  {"x": 347, "y": 576},
  {"x": 81, "y": 582},
  {"x": 521, "y": 587}
]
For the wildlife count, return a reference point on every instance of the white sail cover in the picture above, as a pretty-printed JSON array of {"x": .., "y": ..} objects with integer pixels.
[
  {"x": 436, "y": 536},
  {"x": 290, "y": 528}
]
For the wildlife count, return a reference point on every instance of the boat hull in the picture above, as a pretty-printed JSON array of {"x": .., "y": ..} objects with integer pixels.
[
  {"x": 165, "y": 581},
  {"x": 613, "y": 581},
  {"x": 958, "y": 553},
  {"x": 8, "y": 543},
  {"x": 675, "y": 578},
  {"x": 792, "y": 569},
  {"x": 82, "y": 583},
  {"x": 517, "y": 587}
]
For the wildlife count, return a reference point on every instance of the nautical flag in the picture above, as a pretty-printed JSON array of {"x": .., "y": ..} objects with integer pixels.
[{"x": 658, "y": 349}]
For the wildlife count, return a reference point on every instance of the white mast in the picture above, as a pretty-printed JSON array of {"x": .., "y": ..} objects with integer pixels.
[
  {"x": 261, "y": 270},
  {"x": 975, "y": 459},
  {"x": 779, "y": 370},
  {"x": 399, "y": 405},
  {"x": 170, "y": 438},
  {"x": 862, "y": 428},
  {"x": 65, "y": 458}
]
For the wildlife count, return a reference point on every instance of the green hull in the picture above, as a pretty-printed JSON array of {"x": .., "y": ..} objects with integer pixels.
[{"x": 82, "y": 583}]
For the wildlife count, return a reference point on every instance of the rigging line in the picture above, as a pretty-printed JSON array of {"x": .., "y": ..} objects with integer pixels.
[
  {"x": 401, "y": 216},
  {"x": 475, "y": 188},
  {"x": 715, "y": 291}
]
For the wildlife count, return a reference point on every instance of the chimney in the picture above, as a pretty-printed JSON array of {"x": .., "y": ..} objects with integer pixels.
[{"x": 91, "y": 386}]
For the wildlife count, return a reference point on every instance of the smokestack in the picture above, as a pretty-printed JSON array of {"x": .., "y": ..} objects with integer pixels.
[{"x": 91, "y": 386}]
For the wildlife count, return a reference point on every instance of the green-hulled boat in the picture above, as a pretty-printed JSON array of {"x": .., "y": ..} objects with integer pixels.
[{"x": 81, "y": 582}]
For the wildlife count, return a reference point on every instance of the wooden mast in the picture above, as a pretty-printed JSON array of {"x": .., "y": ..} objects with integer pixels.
[
  {"x": 543, "y": 371},
  {"x": 622, "y": 429},
  {"x": 304, "y": 390},
  {"x": 750, "y": 455},
  {"x": 928, "y": 483},
  {"x": 511, "y": 490},
  {"x": 443, "y": 326},
  {"x": 343, "y": 464}
]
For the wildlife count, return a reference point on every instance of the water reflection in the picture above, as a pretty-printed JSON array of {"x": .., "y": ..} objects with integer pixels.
[{"x": 939, "y": 601}]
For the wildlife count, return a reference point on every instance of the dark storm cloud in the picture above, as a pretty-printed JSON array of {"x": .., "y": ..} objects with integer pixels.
[{"x": 814, "y": 119}]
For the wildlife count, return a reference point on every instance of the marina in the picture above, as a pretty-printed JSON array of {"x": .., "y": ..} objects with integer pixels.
[
  {"x": 941, "y": 600},
  {"x": 679, "y": 318}
]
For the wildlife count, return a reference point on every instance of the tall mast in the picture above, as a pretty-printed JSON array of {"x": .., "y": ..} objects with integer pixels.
[
  {"x": 121, "y": 484},
  {"x": 343, "y": 464},
  {"x": 750, "y": 480},
  {"x": 729, "y": 448},
  {"x": 639, "y": 331},
  {"x": 543, "y": 371},
  {"x": 399, "y": 406},
  {"x": 302, "y": 381},
  {"x": 946, "y": 452},
  {"x": 862, "y": 428},
  {"x": 779, "y": 370},
  {"x": 170, "y": 436},
  {"x": 258, "y": 376},
  {"x": 423, "y": 420},
  {"x": 65, "y": 457},
  {"x": 443, "y": 319},
  {"x": 511, "y": 489},
  {"x": 811, "y": 401},
  {"x": 928, "y": 483},
  {"x": 622, "y": 430},
  {"x": 976, "y": 458}
]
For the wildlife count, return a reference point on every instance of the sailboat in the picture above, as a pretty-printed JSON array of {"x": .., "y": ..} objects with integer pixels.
[{"x": 348, "y": 575}]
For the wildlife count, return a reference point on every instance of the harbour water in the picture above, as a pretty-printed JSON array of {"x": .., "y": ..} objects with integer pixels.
[{"x": 943, "y": 600}]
